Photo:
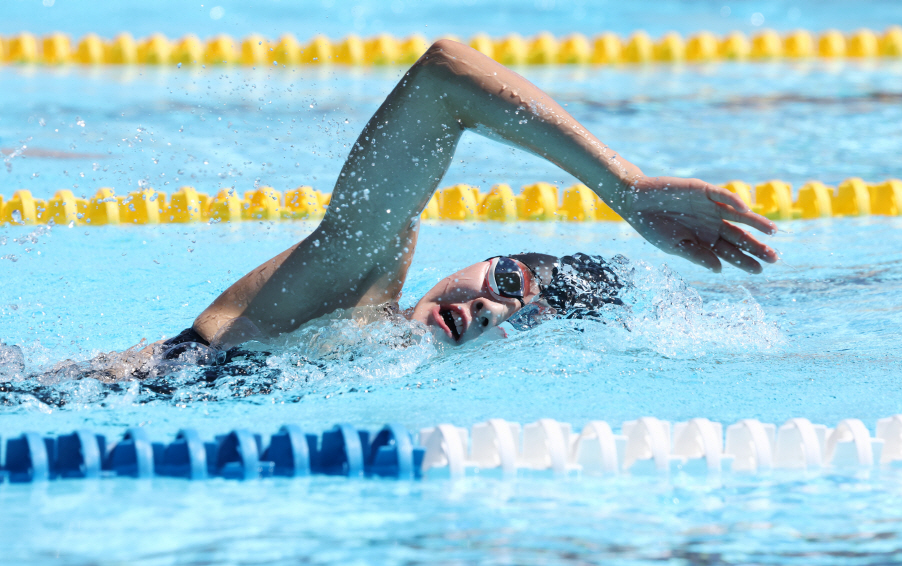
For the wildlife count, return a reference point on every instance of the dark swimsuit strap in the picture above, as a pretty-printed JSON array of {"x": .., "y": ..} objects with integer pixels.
[
  {"x": 186, "y": 335},
  {"x": 189, "y": 340}
]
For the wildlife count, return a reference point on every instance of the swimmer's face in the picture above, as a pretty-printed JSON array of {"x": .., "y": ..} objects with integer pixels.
[{"x": 462, "y": 307}]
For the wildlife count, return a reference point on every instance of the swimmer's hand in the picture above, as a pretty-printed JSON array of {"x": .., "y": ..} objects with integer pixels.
[{"x": 692, "y": 219}]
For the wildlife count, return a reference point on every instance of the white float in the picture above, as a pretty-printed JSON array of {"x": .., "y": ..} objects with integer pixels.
[
  {"x": 850, "y": 445},
  {"x": 446, "y": 447},
  {"x": 699, "y": 443},
  {"x": 648, "y": 446},
  {"x": 799, "y": 445},
  {"x": 751, "y": 445},
  {"x": 546, "y": 445},
  {"x": 597, "y": 450},
  {"x": 889, "y": 430},
  {"x": 496, "y": 444}
]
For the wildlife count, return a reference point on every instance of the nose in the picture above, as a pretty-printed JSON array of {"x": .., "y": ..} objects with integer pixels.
[{"x": 487, "y": 314}]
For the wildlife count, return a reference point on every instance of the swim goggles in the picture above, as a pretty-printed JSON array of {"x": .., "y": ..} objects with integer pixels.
[{"x": 505, "y": 278}]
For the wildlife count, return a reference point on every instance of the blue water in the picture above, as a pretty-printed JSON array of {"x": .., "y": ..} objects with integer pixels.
[
  {"x": 235, "y": 127},
  {"x": 816, "y": 335},
  {"x": 336, "y": 18}
]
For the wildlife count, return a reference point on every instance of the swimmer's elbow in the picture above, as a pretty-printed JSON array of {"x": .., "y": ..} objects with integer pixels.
[
  {"x": 446, "y": 46},
  {"x": 447, "y": 53}
]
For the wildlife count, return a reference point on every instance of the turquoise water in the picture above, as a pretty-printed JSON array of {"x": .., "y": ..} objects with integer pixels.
[
  {"x": 225, "y": 127},
  {"x": 815, "y": 336},
  {"x": 431, "y": 17}
]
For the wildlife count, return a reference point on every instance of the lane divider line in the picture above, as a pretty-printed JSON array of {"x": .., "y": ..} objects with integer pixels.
[
  {"x": 384, "y": 49},
  {"x": 535, "y": 202},
  {"x": 644, "y": 446}
]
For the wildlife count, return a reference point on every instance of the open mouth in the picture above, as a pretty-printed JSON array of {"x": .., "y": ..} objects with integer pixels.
[{"x": 448, "y": 317}]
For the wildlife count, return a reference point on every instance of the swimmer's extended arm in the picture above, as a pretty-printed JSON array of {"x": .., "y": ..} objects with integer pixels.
[
  {"x": 360, "y": 252},
  {"x": 407, "y": 146}
]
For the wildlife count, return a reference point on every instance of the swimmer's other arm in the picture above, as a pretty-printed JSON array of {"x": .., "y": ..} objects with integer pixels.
[
  {"x": 407, "y": 146},
  {"x": 361, "y": 250},
  {"x": 686, "y": 217}
]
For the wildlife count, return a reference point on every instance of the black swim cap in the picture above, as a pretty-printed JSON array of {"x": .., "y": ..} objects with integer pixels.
[
  {"x": 542, "y": 266},
  {"x": 575, "y": 286}
]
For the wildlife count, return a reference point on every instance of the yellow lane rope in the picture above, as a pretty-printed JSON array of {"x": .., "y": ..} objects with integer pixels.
[
  {"x": 384, "y": 49},
  {"x": 536, "y": 202}
]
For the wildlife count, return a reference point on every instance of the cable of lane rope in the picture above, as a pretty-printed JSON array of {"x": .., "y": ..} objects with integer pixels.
[
  {"x": 646, "y": 445},
  {"x": 384, "y": 49},
  {"x": 535, "y": 202}
]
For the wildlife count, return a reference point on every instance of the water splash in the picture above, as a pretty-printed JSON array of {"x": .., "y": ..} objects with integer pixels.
[
  {"x": 12, "y": 362},
  {"x": 33, "y": 236},
  {"x": 8, "y": 158},
  {"x": 363, "y": 345},
  {"x": 664, "y": 314},
  {"x": 345, "y": 350},
  {"x": 363, "y": 349}
]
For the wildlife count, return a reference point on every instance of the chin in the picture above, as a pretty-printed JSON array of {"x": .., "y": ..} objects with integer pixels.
[{"x": 442, "y": 338}]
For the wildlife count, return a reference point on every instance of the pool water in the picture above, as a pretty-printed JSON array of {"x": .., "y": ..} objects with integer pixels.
[
  {"x": 236, "y": 127},
  {"x": 816, "y": 335},
  {"x": 336, "y": 19}
]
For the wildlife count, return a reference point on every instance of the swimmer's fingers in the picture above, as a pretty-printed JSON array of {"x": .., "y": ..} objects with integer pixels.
[
  {"x": 723, "y": 196},
  {"x": 747, "y": 243},
  {"x": 734, "y": 256},
  {"x": 697, "y": 253},
  {"x": 749, "y": 218},
  {"x": 732, "y": 246},
  {"x": 675, "y": 237},
  {"x": 709, "y": 256},
  {"x": 735, "y": 209}
]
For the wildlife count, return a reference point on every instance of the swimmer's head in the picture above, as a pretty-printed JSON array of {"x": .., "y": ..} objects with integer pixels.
[
  {"x": 468, "y": 303},
  {"x": 465, "y": 305}
]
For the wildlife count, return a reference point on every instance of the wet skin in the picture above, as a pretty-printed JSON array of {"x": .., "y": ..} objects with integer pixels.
[
  {"x": 361, "y": 251},
  {"x": 462, "y": 307}
]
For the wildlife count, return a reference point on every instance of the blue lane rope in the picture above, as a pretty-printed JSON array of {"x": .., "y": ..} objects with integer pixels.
[{"x": 240, "y": 454}]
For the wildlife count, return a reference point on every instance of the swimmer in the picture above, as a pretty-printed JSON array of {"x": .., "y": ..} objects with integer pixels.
[{"x": 360, "y": 253}]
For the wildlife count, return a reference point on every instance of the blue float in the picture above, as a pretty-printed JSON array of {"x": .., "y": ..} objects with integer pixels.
[
  {"x": 238, "y": 456},
  {"x": 184, "y": 458},
  {"x": 392, "y": 454},
  {"x": 289, "y": 451},
  {"x": 341, "y": 452},
  {"x": 78, "y": 455},
  {"x": 27, "y": 458},
  {"x": 132, "y": 456}
]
